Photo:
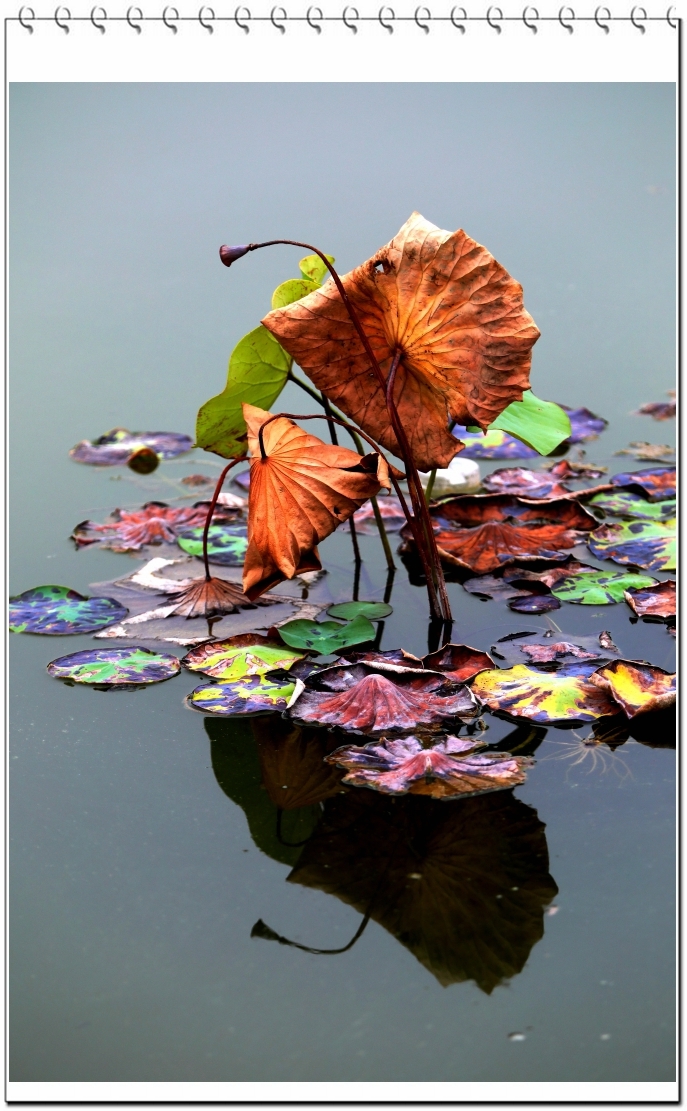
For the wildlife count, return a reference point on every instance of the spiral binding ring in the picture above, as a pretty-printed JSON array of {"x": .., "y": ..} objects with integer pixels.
[
  {"x": 392, "y": 15},
  {"x": 464, "y": 15},
  {"x": 419, "y": 15},
  {"x": 351, "y": 26},
  {"x": 633, "y": 18},
  {"x": 58, "y": 16},
  {"x": 490, "y": 17},
  {"x": 671, "y": 9},
  {"x": 568, "y": 26},
  {"x": 210, "y": 16},
  {"x": 26, "y": 13},
  {"x": 238, "y": 17},
  {"x": 317, "y": 12},
  {"x": 278, "y": 13},
  {"x": 134, "y": 13},
  {"x": 96, "y": 14},
  {"x": 170, "y": 13},
  {"x": 535, "y": 15},
  {"x": 605, "y": 13}
]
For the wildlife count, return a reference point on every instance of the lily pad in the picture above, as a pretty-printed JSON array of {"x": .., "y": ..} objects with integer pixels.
[
  {"x": 154, "y": 523},
  {"x": 599, "y": 588},
  {"x": 584, "y": 425},
  {"x": 639, "y": 688},
  {"x": 326, "y": 637},
  {"x": 347, "y": 611},
  {"x": 115, "y": 667},
  {"x": 625, "y": 503},
  {"x": 493, "y": 444},
  {"x": 118, "y": 445},
  {"x": 393, "y": 766},
  {"x": 253, "y": 695},
  {"x": 458, "y": 662},
  {"x": 227, "y": 544},
  {"x": 542, "y": 425},
  {"x": 650, "y": 545},
  {"x": 240, "y": 656},
  {"x": 534, "y": 603},
  {"x": 58, "y": 610},
  {"x": 566, "y": 695},
  {"x": 658, "y": 482},
  {"x": 653, "y": 601}
]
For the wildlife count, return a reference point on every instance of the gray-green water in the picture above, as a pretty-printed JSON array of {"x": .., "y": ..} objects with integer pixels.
[{"x": 135, "y": 880}]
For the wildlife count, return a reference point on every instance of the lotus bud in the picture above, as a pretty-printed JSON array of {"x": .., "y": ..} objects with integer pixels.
[{"x": 231, "y": 254}]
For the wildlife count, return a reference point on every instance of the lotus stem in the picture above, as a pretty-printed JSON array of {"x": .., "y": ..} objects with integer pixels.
[
  {"x": 379, "y": 520},
  {"x": 430, "y": 485},
  {"x": 335, "y": 441},
  {"x": 213, "y": 503}
]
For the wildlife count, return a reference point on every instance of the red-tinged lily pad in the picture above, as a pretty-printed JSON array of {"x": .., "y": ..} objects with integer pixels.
[
  {"x": 118, "y": 445},
  {"x": 543, "y": 696},
  {"x": 391, "y": 513},
  {"x": 59, "y": 611},
  {"x": 653, "y": 601},
  {"x": 395, "y": 659},
  {"x": 357, "y": 699},
  {"x": 394, "y": 766},
  {"x": 657, "y": 482},
  {"x": 626, "y": 503},
  {"x": 561, "y": 651},
  {"x": 650, "y": 545},
  {"x": 522, "y": 482},
  {"x": 115, "y": 667},
  {"x": 639, "y": 688},
  {"x": 659, "y": 410},
  {"x": 534, "y": 603},
  {"x": 240, "y": 656},
  {"x": 154, "y": 523},
  {"x": 257, "y": 694},
  {"x": 498, "y": 543},
  {"x": 598, "y": 588},
  {"x": 458, "y": 662}
]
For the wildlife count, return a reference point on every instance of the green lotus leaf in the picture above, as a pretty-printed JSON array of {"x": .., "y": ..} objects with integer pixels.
[
  {"x": 374, "y": 611},
  {"x": 650, "y": 545},
  {"x": 599, "y": 588},
  {"x": 313, "y": 268},
  {"x": 293, "y": 290},
  {"x": 624, "y": 503},
  {"x": 252, "y": 695},
  {"x": 542, "y": 425},
  {"x": 326, "y": 637},
  {"x": 224, "y": 660},
  {"x": 258, "y": 368},
  {"x": 227, "y": 544}
]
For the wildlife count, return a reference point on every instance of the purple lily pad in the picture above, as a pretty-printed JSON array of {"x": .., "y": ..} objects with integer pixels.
[
  {"x": 118, "y": 445},
  {"x": 657, "y": 482},
  {"x": 584, "y": 424},
  {"x": 535, "y": 603},
  {"x": 115, "y": 667},
  {"x": 59, "y": 611}
]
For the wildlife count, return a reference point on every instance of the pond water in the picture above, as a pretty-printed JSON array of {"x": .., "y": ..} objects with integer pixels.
[{"x": 144, "y": 844}]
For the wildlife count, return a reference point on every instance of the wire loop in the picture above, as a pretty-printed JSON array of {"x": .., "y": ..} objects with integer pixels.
[
  {"x": 670, "y": 9},
  {"x": 605, "y": 14},
  {"x": 134, "y": 13},
  {"x": 351, "y": 26},
  {"x": 462, "y": 15},
  {"x": 278, "y": 13},
  {"x": 238, "y": 17},
  {"x": 392, "y": 15},
  {"x": 535, "y": 16},
  {"x": 317, "y": 12},
  {"x": 26, "y": 13},
  {"x": 66, "y": 17},
  {"x": 568, "y": 26},
  {"x": 494, "y": 13},
  {"x": 170, "y": 13},
  {"x": 210, "y": 17},
  {"x": 641, "y": 13},
  {"x": 422, "y": 13},
  {"x": 96, "y": 14}
]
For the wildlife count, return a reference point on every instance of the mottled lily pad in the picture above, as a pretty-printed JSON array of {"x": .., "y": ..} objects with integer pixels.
[
  {"x": 650, "y": 545},
  {"x": 254, "y": 695},
  {"x": 57, "y": 610},
  {"x": 625, "y": 503},
  {"x": 600, "y": 588},
  {"x": 227, "y": 544},
  {"x": 154, "y": 523},
  {"x": 565, "y": 695},
  {"x": 525, "y": 483},
  {"x": 638, "y": 688},
  {"x": 458, "y": 662},
  {"x": 534, "y": 603},
  {"x": 113, "y": 667},
  {"x": 118, "y": 445},
  {"x": 653, "y": 601},
  {"x": 326, "y": 637},
  {"x": 240, "y": 656},
  {"x": 347, "y": 611},
  {"x": 658, "y": 482},
  {"x": 493, "y": 444},
  {"x": 584, "y": 424},
  {"x": 393, "y": 766}
]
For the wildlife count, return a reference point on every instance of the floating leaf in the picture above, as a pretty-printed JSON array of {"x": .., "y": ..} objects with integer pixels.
[
  {"x": 299, "y": 493},
  {"x": 562, "y": 650},
  {"x": 114, "y": 667},
  {"x": 326, "y": 637},
  {"x": 653, "y": 601},
  {"x": 292, "y": 290},
  {"x": 647, "y": 544},
  {"x": 534, "y": 603},
  {"x": 657, "y": 482},
  {"x": 346, "y": 611},
  {"x": 625, "y": 503},
  {"x": 154, "y": 523},
  {"x": 494, "y": 586},
  {"x": 541, "y": 424},
  {"x": 659, "y": 410},
  {"x": 227, "y": 544},
  {"x": 639, "y": 688},
  {"x": 492, "y": 444},
  {"x": 455, "y": 315},
  {"x": 211, "y": 598},
  {"x": 254, "y": 695},
  {"x": 584, "y": 424},
  {"x": 599, "y": 588},
  {"x": 58, "y": 610},
  {"x": 522, "y": 691},
  {"x": 240, "y": 656},
  {"x": 643, "y": 450},
  {"x": 458, "y": 662},
  {"x": 392, "y": 766},
  {"x": 313, "y": 268},
  {"x": 258, "y": 369},
  {"x": 353, "y": 697},
  {"x": 523, "y": 482},
  {"x": 118, "y": 445},
  {"x": 394, "y": 660}
]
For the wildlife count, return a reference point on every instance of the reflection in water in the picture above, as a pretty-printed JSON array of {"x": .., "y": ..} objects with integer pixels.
[{"x": 463, "y": 885}]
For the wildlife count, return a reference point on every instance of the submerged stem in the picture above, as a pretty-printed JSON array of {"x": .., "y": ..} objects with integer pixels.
[{"x": 213, "y": 503}]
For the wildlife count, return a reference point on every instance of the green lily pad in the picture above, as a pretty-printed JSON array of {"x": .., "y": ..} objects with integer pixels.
[
  {"x": 599, "y": 588},
  {"x": 545, "y": 697},
  {"x": 115, "y": 667},
  {"x": 253, "y": 695},
  {"x": 647, "y": 544},
  {"x": 224, "y": 659},
  {"x": 624, "y": 503},
  {"x": 227, "y": 544},
  {"x": 326, "y": 637},
  {"x": 313, "y": 268},
  {"x": 373, "y": 611},
  {"x": 541, "y": 424},
  {"x": 292, "y": 290}
]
